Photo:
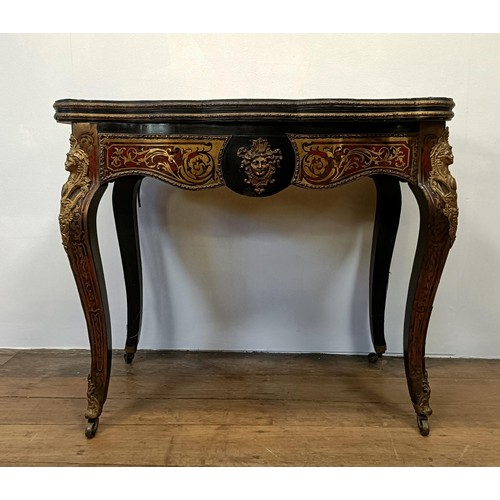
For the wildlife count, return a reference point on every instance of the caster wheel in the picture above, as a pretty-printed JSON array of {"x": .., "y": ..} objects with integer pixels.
[
  {"x": 423, "y": 424},
  {"x": 373, "y": 357},
  {"x": 129, "y": 356},
  {"x": 92, "y": 428}
]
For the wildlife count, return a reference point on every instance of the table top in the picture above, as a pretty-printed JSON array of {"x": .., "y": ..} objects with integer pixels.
[{"x": 217, "y": 110}]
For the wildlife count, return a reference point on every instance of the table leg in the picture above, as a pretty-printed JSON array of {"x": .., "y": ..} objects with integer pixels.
[
  {"x": 125, "y": 196},
  {"x": 79, "y": 202},
  {"x": 384, "y": 237},
  {"x": 437, "y": 200}
]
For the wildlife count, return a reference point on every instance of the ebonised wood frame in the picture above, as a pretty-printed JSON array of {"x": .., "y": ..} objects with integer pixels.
[{"x": 257, "y": 148}]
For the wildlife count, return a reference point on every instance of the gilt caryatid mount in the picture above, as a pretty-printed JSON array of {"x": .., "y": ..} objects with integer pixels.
[{"x": 258, "y": 148}]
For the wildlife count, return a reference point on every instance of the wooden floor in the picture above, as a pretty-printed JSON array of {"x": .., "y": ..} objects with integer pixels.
[{"x": 241, "y": 409}]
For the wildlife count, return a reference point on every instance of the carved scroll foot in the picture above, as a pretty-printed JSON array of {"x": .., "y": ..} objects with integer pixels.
[
  {"x": 422, "y": 391},
  {"x": 422, "y": 394},
  {"x": 96, "y": 395}
]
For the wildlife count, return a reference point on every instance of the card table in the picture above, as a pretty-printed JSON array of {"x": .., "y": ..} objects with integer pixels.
[{"x": 257, "y": 148}]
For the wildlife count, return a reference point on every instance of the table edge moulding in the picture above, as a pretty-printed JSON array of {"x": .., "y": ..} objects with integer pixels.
[{"x": 258, "y": 147}]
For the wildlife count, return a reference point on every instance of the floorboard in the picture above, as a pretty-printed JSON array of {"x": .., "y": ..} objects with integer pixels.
[{"x": 245, "y": 409}]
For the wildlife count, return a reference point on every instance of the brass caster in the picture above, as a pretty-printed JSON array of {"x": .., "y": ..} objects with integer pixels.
[
  {"x": 129, "y": 356},
  {"x": 373, "y": 357},
  {"x": 423, "y": 424},
  {"x": 91, "y": 428}
]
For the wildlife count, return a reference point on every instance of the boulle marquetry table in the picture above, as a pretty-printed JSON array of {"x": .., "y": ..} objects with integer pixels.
[{"x": 258, "y": 148}]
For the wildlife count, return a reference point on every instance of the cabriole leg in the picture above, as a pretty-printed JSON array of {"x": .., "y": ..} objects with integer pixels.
[
  {"x": 79, "y": 202},
  {"x": 384, "y": 237},
  {"x": 437, "y": 200},
  {"x": 125, "y": 196}
]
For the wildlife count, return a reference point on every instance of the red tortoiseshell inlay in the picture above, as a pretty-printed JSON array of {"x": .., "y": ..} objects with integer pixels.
[
  {"x": 186, "y": 161},
  {"x": 323, "y": 162}
]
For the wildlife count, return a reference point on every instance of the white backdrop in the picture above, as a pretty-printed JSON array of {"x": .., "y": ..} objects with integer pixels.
[{"x": 287, "y": 273}]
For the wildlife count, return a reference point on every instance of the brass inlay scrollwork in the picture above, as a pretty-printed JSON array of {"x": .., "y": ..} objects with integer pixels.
[
  {"x": 186, "y": 161},
  {"x": 327, "y": 161},
  {"x": 259, "y": 162},
  {"x": 77, "y": 185},
  {"x": 442, "y": 182}
]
